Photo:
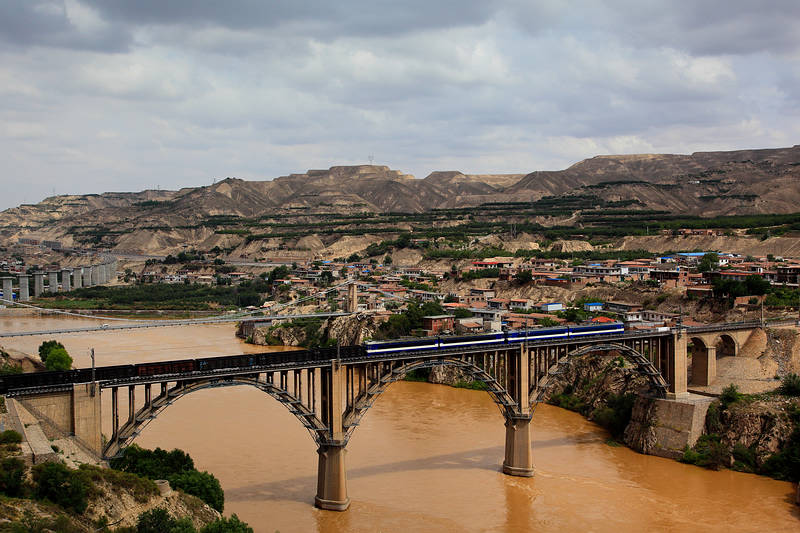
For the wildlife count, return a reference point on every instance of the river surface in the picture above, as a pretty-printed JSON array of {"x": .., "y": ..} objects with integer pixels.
[{"x": 425, "y": 458}]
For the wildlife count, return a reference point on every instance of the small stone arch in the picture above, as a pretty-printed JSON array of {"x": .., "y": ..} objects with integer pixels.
[
  {"x": 703, "y": 357},
  {"x": 363, "y": 402},
  {"x": 128, "y": 432},
  {"x": 643, "y": 364},
  {"x": 726, "y": 346}
]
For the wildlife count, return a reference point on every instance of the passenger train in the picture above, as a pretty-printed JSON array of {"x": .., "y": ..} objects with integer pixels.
[
  {"x": 210, "y": 365},
  {"x": 505, "y": 337}
]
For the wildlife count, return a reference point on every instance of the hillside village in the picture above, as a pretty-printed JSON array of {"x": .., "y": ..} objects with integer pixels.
[{"x": 490, "y": 294}]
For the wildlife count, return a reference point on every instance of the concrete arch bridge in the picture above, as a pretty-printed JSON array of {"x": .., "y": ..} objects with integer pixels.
[{"x": 330, "y": 394}]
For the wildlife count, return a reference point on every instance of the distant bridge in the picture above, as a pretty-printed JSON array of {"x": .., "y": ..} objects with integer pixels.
[
  {"x": 167, "y": 323},
  {"x": 329, "y": 391}
]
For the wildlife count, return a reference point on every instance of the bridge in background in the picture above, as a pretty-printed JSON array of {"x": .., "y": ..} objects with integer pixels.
[{"x": 329, "y": 395}]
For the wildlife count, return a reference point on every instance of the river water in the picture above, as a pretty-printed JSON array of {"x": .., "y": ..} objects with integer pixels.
[{"x": 425, "y": 458}]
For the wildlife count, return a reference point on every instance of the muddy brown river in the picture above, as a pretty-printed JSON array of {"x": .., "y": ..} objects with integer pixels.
[{"x": 425, "y": 458}]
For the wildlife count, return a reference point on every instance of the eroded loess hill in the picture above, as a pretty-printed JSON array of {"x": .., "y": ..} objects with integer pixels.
[{"x": 160, "y": 222}]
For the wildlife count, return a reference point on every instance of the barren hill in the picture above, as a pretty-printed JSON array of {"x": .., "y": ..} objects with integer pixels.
[{"x": 703, "y": 183}]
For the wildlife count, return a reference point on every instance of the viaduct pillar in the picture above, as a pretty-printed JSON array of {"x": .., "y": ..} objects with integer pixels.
[
  {"x": 52, "y": 280},
  {"x": 96, "y": 274},
  {"x": 65, "y": 280},
  {"x": 38, "y": 284},
  {"x": 8, "y": 289},
  {"x": 87, "y": 276},
  {"x": 677, "y": 373},
  {"x": 77, "y": 277},
  {"x": 518, "y": 457},
  {"x": 24, "y": 288},
  {"x": 331, "y": 471}
]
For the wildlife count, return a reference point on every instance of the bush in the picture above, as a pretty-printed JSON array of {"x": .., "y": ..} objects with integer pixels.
[
  {"x": 60, "y": 485},
  {"x": 153, "y": 464},
  {"x": 708, "y": 452},
  {"x": 744, "y": 458},
  {"x": 45, "y": 347},
  {"x": 616, "y": 415},
  {"x": 10, "y": 436},
  {"x": 790, "y": 385},
  {"x": 12, "y": 476},
  {"x": 227, "y": 525},
  {"x": 177, "y": 467},
  {"x": 730, "y": 395},
  {"x": 159, "y": 521},
  {"x": 201, "y": 484},
  {"x": 58, "y": 359}
]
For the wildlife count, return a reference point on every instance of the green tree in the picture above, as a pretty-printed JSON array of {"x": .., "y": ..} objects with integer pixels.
[
  {"x": 58, "y": 359},
  {"x": 12, "y": 476},
  {"x": 523, "y": 276},
  {"x": 709, "y": 262},
  {"x": 756, "y": 285},
  {"x": 281, "y": 272},
  {"x": 201, "y": 484},
  {"x": 153, "y": 464},
  {"x": 60, "y": 485},
  {"x": 45, "y": 347},
  {"x": 227, "y": 525},
  {"x": 387, "y": 260}
]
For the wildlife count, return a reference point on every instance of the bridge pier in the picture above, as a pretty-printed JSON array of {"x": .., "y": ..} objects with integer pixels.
[
  {"x": 519, "y": 458},
  {"x": 331, "y": 473},
  {"x": 8, "y": 288},
  {"x": 677, "y": 371},
  {"x": 24, "y": 288},
  {"x": 66, "y": 274},
  {"x": 332, "y": 479},
  {"x": 52, "y": 281},
  {"x": 38, "y": 284}
]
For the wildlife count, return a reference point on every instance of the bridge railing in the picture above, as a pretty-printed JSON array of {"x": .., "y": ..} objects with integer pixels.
[{"x": 727, "y": 326}]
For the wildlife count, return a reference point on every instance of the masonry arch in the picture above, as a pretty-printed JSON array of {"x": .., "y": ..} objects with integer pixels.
[
  {"x": 726, "y": 346},
  {"x": 363, "y": 402},
  {"x": 128, "y": 432},
  {"x": 644, "y": 366},
  {"x": 703, "y": 356}
]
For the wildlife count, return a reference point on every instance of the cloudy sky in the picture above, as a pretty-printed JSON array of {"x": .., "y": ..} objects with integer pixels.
[{"x": 125, "y": 95}]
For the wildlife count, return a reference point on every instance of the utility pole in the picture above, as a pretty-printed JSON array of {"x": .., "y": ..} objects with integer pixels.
[{"x": 93, "y": 380}]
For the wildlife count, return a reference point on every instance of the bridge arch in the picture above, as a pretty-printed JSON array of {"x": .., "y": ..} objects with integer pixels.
[
  {"x": 128, "y": 432},
  {"x": 644, "y": 366},
  {"x": 363, "y": 402},
  {"x": 703, "y": 353},
  {"x": 726, "y": 345}
]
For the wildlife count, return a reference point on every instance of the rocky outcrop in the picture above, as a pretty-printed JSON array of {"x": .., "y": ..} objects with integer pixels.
[
  {"x": 122, "y": 507},
  {"x": 591, "y": 379},
  {"x": 345, "y": 330},
  {"x": 449, "y": 375},
  {"x": 762, "y": 426}
]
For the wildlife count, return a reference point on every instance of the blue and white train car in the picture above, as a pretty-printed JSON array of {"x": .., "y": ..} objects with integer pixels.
[{"x": 485, "y": 339}]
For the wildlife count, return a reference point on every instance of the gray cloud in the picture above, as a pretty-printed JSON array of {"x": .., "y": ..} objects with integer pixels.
[{"x": 115, "y": 95}]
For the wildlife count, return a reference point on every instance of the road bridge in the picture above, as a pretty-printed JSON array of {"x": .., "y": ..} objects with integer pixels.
[{"x": 330, "y": 390}]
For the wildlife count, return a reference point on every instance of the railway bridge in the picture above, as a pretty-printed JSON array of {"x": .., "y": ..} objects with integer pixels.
[{"x": 330, "y": 390}]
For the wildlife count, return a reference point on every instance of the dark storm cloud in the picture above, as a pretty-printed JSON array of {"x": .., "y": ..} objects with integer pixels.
[
  {"x": 123, "y": 95},
  {"x": 322, "y": 19},
  {"x": 46, "y": 23}
]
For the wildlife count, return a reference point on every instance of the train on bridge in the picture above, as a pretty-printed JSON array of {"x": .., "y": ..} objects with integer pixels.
[{"x": 184, "y": 368}]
